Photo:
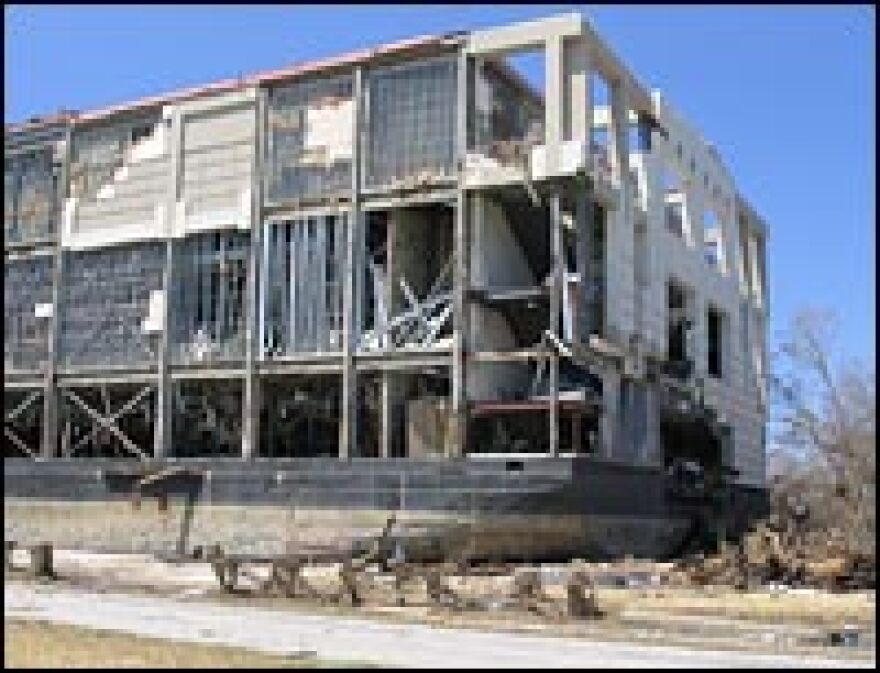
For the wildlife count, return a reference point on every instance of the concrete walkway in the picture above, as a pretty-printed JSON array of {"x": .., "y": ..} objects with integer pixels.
[{"x": 353, "y": 639}]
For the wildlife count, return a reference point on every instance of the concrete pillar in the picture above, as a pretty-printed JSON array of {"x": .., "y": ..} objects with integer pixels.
[
  {"x": 618, "y": 136},
  {"x": 578, "y": 95},
  {"x": 555, "y": 306},
  {"x": 621, "y": 234},
  {"x": 251, "y": 403},
  {"x": 554, "y": 110},
  {"x": 461, "y": 267},
  {"x": 387, "y": 420},
  {"x": 49, "y": 434},
  {"x": 353, "y": 266},
  {"x": 651, "y": 447},
  {"x": 162, "y": 432},
  {"x": 461, "y": 315},
  {"x": 162, "y": 427},
  {"x": 584, "y": 214},
  {"x": 609, "y": 422}
]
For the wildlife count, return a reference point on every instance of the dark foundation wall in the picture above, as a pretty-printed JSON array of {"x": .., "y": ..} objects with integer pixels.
[{"x": 537, "y": 508}]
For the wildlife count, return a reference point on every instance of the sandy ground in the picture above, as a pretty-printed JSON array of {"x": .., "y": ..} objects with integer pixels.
[
  {"x": 344, "y": 638},
  {"x": 36, "y": 644}
]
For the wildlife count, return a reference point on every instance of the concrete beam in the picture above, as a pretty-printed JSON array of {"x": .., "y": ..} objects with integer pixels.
[
  {"x": 609, "y": 65},
  {"x": 525, "y": 36}
]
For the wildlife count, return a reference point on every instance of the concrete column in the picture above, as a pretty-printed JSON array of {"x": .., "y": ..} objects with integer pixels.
[
  {"x": 654, "y": 290},
  {"x": 387, "y": 420},
  {"x": 49, "y": 434},
  {"x": 461, "y": 267},
  {"x": 578, "y": 94},
  {"x": 621, "y": 234},
  {"x": 554, "y": 110},
  {"x": 651, "y": 448},
  {"x": 579, "y": 121},
  {"x": 555, "y": 306},
  {"x": 162, "y": 431},
  {"x": 618, "y": 136},
  {"x": 250, "y": 426},
  {"x": 49, "y": 438},
  {"x": 461, "y": 317},
  {"x": 353, "y": 266},
  {"x": 584, "y": 214},
  {"x": 609, "y": 422}
]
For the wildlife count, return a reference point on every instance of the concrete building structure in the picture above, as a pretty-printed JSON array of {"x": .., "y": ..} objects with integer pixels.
[{"x": 399, "y": 264}]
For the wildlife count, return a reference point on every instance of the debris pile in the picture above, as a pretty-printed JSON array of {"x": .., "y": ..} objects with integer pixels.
[{"x": 780, "y": 551}]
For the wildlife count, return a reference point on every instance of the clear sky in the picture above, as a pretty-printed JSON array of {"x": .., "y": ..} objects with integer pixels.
[{"x": 787, "y": 94}]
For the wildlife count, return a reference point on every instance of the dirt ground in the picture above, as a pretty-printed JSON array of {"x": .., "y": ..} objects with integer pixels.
[
  {"x": 36, "y": 644},
  {"x": 366, "y": 637},
  {"x": 776, "y": 620}
]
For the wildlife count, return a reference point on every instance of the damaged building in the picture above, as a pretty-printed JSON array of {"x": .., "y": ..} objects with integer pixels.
[{"x": 402, "y": 280}]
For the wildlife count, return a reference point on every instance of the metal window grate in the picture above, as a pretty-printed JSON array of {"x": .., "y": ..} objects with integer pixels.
[
  {"x": 411, "y": 122},
  {"x": 310, "y": 139},
  {"x": 303, "y": 258},
  {"x": 31, "y": 199},
  {"x": 27, "y": 283},
  {"x": 208, "y": 298}
]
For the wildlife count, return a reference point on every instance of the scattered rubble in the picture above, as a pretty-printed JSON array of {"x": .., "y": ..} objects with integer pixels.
[{"x": 780, "y": 551}]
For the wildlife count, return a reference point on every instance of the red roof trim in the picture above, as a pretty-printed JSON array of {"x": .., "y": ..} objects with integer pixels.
[{"x": 234, "y": 84}]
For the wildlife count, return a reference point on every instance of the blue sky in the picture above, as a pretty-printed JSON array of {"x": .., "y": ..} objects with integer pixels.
[{"x": 786, "y": 94}]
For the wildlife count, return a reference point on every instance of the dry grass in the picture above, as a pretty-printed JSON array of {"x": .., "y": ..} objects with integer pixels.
[
  {"x": 38, "y": 644},
  {"x": 819, "y": 608}
]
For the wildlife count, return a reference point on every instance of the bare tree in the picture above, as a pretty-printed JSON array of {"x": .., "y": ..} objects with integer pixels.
[{"x": 823, "y": 425}]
